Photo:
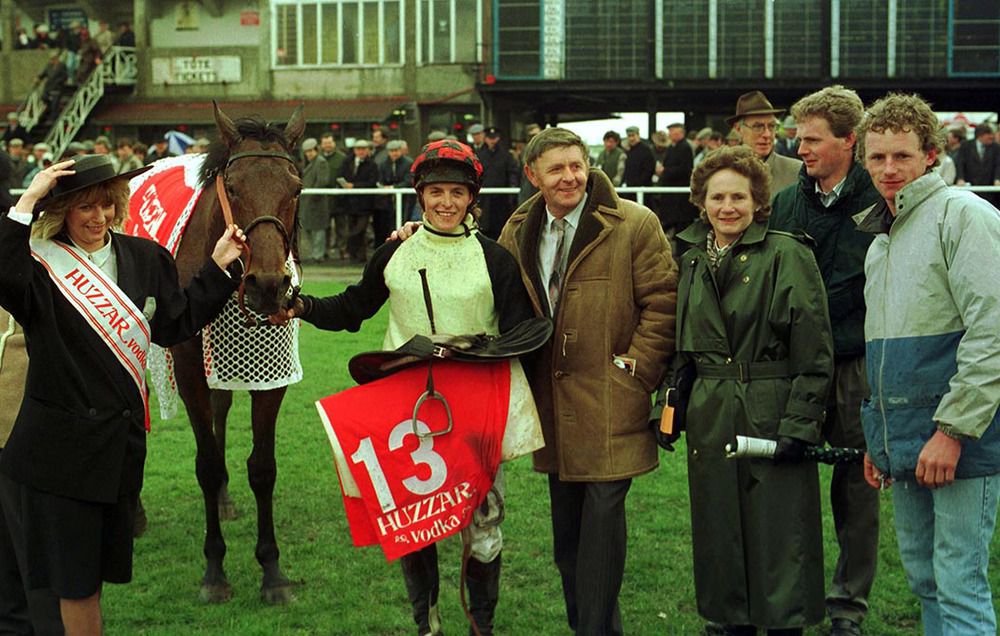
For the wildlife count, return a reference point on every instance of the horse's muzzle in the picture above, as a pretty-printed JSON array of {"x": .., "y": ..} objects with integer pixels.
[{"x": 266, "y": 293}]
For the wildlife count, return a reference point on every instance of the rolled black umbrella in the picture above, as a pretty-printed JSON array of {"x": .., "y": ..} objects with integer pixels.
[{"x": 759, "y": 448}]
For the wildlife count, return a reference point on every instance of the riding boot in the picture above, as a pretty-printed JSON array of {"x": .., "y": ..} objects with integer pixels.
[
  {"x": 420, "y": 572},
  {"x": 483, "y": 582}
]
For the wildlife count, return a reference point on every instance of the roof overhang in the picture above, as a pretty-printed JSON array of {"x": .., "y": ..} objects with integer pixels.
[{"x": 195, "y": 113}]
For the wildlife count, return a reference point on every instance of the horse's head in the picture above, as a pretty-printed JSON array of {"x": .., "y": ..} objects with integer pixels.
[{"x": 261, "y": 182}]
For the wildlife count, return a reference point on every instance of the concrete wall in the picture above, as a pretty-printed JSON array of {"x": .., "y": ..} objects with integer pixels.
[
  {"x": 214, "y": 31},
  {"x": 254, "y": 82},
  {"x": 18, "y": 70}
]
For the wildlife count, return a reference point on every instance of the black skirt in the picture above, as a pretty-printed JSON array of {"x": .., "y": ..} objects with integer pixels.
[{"x": 69, "y": 545}]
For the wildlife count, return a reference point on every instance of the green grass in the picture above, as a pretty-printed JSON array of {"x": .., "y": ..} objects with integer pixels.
[{"x": 345, "y": 590}]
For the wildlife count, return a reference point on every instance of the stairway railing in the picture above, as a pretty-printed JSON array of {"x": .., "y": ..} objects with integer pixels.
[{"x": 118, "y": 67}]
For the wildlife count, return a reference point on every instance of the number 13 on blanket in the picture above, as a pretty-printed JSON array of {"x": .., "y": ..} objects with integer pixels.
[{"x": 403, "y": 491}]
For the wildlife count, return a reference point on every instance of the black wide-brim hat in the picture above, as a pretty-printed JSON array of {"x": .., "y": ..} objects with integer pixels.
[
  {"x": 90, "y": 170},
  {"x": 525, "y": 337}
]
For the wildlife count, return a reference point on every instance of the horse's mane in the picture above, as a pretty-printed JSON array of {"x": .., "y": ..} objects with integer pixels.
[{"x": 248, "y": 128}]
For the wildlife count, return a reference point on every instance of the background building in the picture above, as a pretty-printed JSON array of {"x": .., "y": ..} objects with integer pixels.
[{"x": 411, "y": 66}]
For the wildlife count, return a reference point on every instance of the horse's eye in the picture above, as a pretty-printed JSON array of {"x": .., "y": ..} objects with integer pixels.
[{"x": 298, "y": 193}]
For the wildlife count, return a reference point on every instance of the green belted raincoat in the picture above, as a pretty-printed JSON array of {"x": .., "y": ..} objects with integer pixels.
[{"x": 759, "y": 333}]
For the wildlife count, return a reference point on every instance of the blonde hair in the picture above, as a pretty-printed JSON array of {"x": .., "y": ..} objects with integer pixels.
[
  {"x": 840, "y": 107},
  {"x": 53, "y": 219},
  {"x": 901, "y": 113}
]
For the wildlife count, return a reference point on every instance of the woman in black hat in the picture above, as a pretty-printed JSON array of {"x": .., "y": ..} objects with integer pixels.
[{"x": 90, "y": 301}]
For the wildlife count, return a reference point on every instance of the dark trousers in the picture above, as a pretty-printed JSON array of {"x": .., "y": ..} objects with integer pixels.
[
  {"x": 854, "y": 503},
  {"x": 354, "y": 238},
  {"x": 589, "y": 536},
  {"x": 35, "y": 612}
]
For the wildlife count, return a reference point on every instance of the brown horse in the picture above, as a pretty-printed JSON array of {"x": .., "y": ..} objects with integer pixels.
[{"x": 261, "y": 182}]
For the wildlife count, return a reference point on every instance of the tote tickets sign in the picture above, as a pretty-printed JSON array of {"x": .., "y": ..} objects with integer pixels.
[{"x": 404, "y": 490}]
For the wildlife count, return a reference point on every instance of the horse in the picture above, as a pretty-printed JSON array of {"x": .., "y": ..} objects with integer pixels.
[{"x": 260, "y": 181}]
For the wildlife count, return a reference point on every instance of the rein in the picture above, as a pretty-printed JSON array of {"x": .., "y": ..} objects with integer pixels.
[{"x": 227, "y": 215}]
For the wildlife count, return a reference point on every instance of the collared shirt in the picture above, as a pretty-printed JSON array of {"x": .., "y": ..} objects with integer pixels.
[
  {"x": 829, "y": 198},
  {"x": 548, "y": 240},
  {"x": 104, "y": 258}
]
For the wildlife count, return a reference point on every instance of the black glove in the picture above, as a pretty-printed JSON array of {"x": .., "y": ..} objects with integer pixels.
[
  {"x": 664, "y": 440},
  {"x": 789, "y": 451}
]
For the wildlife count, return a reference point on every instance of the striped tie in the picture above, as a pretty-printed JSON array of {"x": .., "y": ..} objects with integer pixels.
[{"x": 555, "y": 278}]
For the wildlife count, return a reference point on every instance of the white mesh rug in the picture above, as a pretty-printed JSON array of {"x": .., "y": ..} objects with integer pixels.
[{"x": 238, "y": 357}]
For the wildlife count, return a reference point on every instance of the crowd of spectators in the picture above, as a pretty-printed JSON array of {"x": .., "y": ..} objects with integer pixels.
[
  {"x": 348, "y": 228},
  {"x": 73, "y": 38}
]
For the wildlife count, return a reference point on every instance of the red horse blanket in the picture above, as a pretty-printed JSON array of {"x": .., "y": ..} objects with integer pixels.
[
  {"x": 162, "y": 200},
  {"x": 417, "y": 490}
]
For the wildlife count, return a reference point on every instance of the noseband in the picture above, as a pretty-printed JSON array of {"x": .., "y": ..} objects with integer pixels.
[{"x": 227, "y": 214}]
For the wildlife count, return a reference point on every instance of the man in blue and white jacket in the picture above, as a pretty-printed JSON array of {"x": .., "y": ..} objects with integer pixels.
[{"x": 933, "y": 358}]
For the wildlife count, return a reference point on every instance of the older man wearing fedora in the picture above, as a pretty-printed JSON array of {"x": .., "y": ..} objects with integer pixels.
[{"x": 756, "y": 123}]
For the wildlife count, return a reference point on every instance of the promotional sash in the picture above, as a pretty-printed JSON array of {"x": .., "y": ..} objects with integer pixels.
[
  {"x": 105, "y": 307},
  {"x": 414, "y": 490}
]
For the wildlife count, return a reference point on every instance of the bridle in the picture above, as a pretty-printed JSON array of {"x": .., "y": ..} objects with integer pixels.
[{"x": 227, "y": 215}]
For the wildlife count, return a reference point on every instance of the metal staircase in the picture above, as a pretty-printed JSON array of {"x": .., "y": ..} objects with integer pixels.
[{"x": 118, "y": 67}]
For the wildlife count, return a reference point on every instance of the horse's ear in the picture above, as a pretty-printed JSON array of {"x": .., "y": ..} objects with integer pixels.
[
  {"x": 226, "y": 126},
  {"x": 295, "y": 127}
]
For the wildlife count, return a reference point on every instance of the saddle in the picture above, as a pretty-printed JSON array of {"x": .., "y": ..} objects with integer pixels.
[{"x": 526, "y": 337}]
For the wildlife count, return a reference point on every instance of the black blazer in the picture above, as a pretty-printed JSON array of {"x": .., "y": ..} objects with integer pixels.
[
  {"x": 974, "y": 170},
  {"x": 80, "y": 431},
  {"x": 365, "y": 175}
]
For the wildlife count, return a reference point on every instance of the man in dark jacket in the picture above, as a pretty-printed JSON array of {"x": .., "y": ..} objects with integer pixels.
[
  {"x": 15, "y": 130},
  {"x": 314, "y": 213},
  {"x": 500, "y": 170},
  {"x": 676, "y": 212},
  {"x": 53, "y": 79},
  {"x": 358, "y": 172},
  {"x": 978, "y": 162},
  {"x": 640, "y": 164},
  {"x": 832, "y": 188},
  {"x": 394, "y": 173},
  {"x": 334, "y": 163}
]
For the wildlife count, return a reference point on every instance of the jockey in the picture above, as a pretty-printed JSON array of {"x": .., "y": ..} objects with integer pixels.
[{"x": 474, "y": 287}]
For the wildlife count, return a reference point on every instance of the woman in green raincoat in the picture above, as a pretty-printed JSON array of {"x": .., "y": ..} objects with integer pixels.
[{"x": 752, "y": 317}]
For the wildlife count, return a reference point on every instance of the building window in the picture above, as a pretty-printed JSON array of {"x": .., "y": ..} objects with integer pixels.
[
  {"x": 609, "y": 39},
  {"x": 922, "y": 40},
  {"x": 975, "y": 39},
  {"x": 518, "y": 25},
  {"x": 337, "y": 32},
  {"x": 685, "y": 40},
  {"x": 798, "y": 39},
  {"x": 863, "y": 45},
  {"x": 741, "y": 39},
  {"x": 450, "y": 31}
]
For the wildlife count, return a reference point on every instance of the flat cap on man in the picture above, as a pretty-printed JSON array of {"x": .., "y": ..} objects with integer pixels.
[
  {"x": 310, "y": 144},
  {"x": 475, "y": 129},
  {"x": 632, "y": 129},
  {"x": 362, "y": 143},
  {"x": 395, "y": 144}
]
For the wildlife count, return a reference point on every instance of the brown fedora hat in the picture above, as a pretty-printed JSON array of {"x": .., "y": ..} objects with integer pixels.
[
  {"x": 90, "y": 170},
  {"x": 753, "y": 103}
]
